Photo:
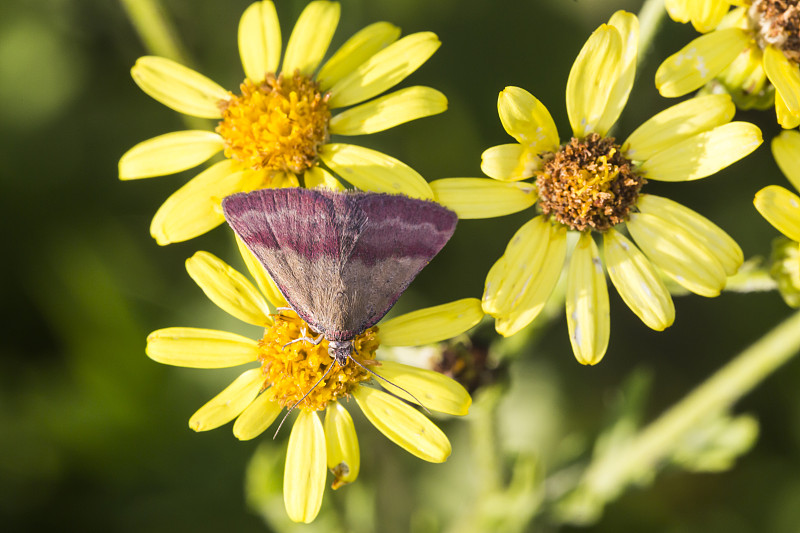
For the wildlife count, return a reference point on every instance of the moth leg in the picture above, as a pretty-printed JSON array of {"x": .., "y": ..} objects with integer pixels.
[{"x": 304, "y": 337}]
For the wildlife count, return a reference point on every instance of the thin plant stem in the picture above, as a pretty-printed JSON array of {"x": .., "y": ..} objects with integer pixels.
[
  {"x": 154, "y": 29},
  {"x": 650, "y": 17}
]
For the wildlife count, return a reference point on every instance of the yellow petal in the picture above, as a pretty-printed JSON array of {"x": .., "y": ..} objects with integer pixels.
[
  {"x": 260, "y": 274},
  {"x": 592, "y": 78},
  {"x": 527, "y": 120},
  {"x": 319, "y": 177},
  {"x": 384, "y": 70},
  {"x": 178, "y": 87},
  {"x": 304, "y": 475},
  {"x": 227, "y": 405},
  {"x": 256, "y": 418},
  {"x": 200, "y": 348},
  {"x": 678, "y": 253},
  {"x": 637, "y": 281},
  {"x": 483, "y": 198},
  {"x": 370, "y": 170},
  {"x": 432, "y": 324},
  {"x": 786, "y": 118},
  {"x": 343, "y": 454},
  {"x": 786, "y": 151},
  {"x": 703, "y": 154},
  {"x": 311, "y": 37},
  {"x": 785, "y": 76},
  {"x": 700, "y": 61},
  {"x": 260, "y": 40},
  {"x": 358, "y": 48},
  {"x": 588, "y": 318},
  {"x": 678, "y": 123},
  {"x": 403, "y": 425},
  {"x": 781, "y": 208},
  {"x": 229, "y": 289},
  {"x": 426, "y": 387},
  {"x": 389, "y": 111},
  {"x": 520, "y": 283},
  {"x": 719, "y": 243},
  {"x": 195, "y": 208},
  {"x": 678, "y": 10},
  {"x": 707, "y": 15},
  {"x": 510, "y": 162},
  {"x": 628, "y": 27},
  {"x": 169, "y": 153}
]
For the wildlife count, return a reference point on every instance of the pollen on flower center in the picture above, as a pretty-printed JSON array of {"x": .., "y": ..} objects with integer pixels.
[
  {"x": 777, "y": 23},
  {"x": 278, "y": 124},
  {"x": 292, "y": 371},
  {"x": 588, "y": 184}
]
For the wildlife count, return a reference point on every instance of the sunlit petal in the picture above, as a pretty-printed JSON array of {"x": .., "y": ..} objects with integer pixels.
[
  {"x": 389, "y": 111},
  {"x": 200, "y": 348},
  {"x": 786, "y": 151},
  {"x": 432, "y": 324},
  {"x": 343, "y": 454},
  {"x": 785, "y": 76},
  {"x": 510, "y": 162},
  {"x": 259, "y": 40},
  {"x": 358, "y": 48},
  {"x": 227, "y": 405},
  {"x": 781, "y": 208},
  {"x": 588, "y": 318},
  {"x": 311, "y": 37},
  {"x": 483, "y": 198},
  {"x": 169, "y": 153},
  {"x": 304, "y": 474},
  {"x": 256, "y": 418},
  {"x": 430, "y": 389},
  {"x": 628, "y": 27},
  {"x": 319, "y": 177},
  {"x": 526, "y": 119}
]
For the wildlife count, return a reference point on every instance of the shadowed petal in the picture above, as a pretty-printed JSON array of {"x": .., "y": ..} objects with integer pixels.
[
  {"x": 200, "y": 348},
  {"x": 786, "y": 151},
  {"x": 510, "y": 162},
  {"x": 256, "y": 418},
  {"x": 428, "y": 388},
  {"x": 588, "y": 317},
  {"x": 483, "y": 198},
  {"x": 169, "y": 153},
  {"x": 781, "y": 208},
  {"x": 304, "y": 474},
  {"x": 403, "y": 425},
  {"x": 786, "y": 118},
  {"x": 785, "y": 76},
  {"x": 319, "y": 177},
  {"x": 227, "y": 405},
  {"x": 343, "y": 454}
]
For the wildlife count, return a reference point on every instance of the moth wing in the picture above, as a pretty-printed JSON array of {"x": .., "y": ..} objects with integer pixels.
[{"x": 302, "y": 237}]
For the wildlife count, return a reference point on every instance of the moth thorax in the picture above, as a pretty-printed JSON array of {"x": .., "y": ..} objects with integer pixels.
[{"x": 340, "y": 351}]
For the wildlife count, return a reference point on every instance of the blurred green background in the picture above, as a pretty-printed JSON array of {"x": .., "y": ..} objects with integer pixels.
[{"x": 94, "y": 435}]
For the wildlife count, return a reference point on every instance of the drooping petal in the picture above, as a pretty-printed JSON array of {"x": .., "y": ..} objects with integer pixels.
[
  {"x": 178, "y": 87},
  {"x": 304, "y": 474},
  {"x": 343, "y": 454},
  {"x": 227, "y": 405},
  {"x": 703, "y": 154},
  {"x": 195, "y": 208},
  {"x": 637, "y": 281},
  {"x": 678, "y": 253},
  {"x": 785, "y": 76},
  {"x": 628, "y": 27},
  {"x": 483, "y": 198},
  {"x": 259, "y": 40},
  {"x": 724, "y": 248},
  {"x": 169, "y": 153},
  {"x": 526, "y": 119},
  {"x": 432, "y": 324},
  {"x": 786, "y": 151},
  {"x": 256, "y": 418},
  {"x": 311, "y": 37},
  {"x": 260, "y": 274},
  {"x": 384, "y": 70},
  {"x": 370, "y": 170},
  {"x": 781, "y": 208},
  {"x": 678, "y": 10},
  {"x": 229, "y": 289},
  {"x": 593, "y": 76},
  {"x": 319, "y": 177},
  {"x": 588, "y": 318},
  {"x": 700, "y": 61},
  {"x": 519, "y": 284},
  {"x": 426, "y": 387},
  {"x": 361, "y": 46},
  {"x": 678, "y": 123},
  {"x": 403, "y": 425},
  {"x": 200, "y": 348},
  {"x": 708, "y": 14},
  {"x": 389, "y": 111},
  {"x": 510, "y": 162},
  {"x": 786, "y": 118}
]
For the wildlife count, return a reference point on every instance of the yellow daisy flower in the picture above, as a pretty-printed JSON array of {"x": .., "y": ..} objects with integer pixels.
[
  {"x": 754, "y": 53},
  {"x": 288, "y": 370},
  {"x": 781, "y": 208},
  {"x": 592, "y": 184},
  {"x": 277, "y": 129}
]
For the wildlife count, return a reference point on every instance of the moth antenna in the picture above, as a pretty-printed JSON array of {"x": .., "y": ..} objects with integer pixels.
[
  {"x": 392, "y": 384},
  {"x": 301, "y": 399}
]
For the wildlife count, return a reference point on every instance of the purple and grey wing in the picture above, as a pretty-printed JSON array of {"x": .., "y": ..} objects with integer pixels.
[{"x": 302, "y": 237}]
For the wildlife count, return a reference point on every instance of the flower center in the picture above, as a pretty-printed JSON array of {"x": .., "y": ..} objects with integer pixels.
[
  {"x": 777, "y": 23},
  {"x": 291, "y": 372},
  {"x": 278, "y": 124},
  {"x": 588, "y": 184}
]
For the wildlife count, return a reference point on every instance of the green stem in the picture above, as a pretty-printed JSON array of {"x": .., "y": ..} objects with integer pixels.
[
  {"x": 606, "y": 477},
  {"x": 650, "y": 17},
  {"x": 154, "y": 29}
]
